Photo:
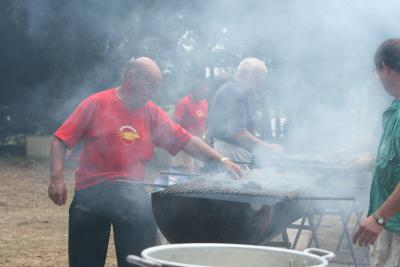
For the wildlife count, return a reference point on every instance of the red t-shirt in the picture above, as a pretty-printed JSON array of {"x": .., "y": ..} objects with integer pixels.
[
  {"x": 118, "y": 141},
  {"x": 192, "y": 115}
]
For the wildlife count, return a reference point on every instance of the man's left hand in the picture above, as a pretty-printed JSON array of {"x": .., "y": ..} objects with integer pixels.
[
  {"x": 361, "y": 163},
  {"x": 275, "y": 148},
  {"x": 233, "y": 169},
  {"x": 367, "y": 232}
]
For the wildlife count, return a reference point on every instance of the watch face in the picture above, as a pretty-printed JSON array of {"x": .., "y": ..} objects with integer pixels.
[{"x": 380, "y": 220}]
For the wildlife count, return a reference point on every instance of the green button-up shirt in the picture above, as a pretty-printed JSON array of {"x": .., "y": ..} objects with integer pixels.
[{"x": 387, "y": 169}]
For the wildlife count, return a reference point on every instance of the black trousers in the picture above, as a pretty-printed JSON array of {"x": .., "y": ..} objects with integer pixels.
[{"x": 126, "y": 207}]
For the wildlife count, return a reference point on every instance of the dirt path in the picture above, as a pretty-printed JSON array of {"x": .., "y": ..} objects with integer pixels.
[{"x": 33, "y": 231}]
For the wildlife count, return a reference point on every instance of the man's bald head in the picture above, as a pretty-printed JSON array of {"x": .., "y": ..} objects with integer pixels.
[
  {"x": 140, "y": 79},
  {"x": 142, "y": 68},
  {"x": 251, "y": 72}
]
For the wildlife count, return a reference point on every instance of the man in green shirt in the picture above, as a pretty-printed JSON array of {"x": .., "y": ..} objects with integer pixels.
[{"x": 382, "y": 226}]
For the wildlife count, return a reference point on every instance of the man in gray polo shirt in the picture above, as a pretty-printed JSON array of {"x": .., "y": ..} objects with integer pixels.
[{"x": 230, "y": 124}]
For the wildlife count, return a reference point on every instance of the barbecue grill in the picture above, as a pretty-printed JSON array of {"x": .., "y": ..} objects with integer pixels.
[
  {"x": 210, "y": 211},
  {"x": 214, "y": 208}
]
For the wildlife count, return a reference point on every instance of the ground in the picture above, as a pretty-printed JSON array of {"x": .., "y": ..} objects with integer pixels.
[{"x": 33, "y": 231}]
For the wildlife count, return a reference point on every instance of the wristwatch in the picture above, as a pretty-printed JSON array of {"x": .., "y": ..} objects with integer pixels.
[
  {"x": 224, "y": 159},
  {"x": 379, "y": 220}
]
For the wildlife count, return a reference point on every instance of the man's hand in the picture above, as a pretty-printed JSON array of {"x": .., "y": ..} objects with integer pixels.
[
  {"x": 361, "y": 163},
  {"x": 275, "y": 148},
  {"x": 233, "y": 169},
  {"x": 367, "y": 232},
  {"x": 57, "y": 191}
]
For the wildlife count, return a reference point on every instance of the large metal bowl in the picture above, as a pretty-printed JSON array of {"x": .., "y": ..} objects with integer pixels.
[
  {"x": 206, "y": 219},
  {"x": 239, "y": 212},
  {"x": 228, "y": 255}
]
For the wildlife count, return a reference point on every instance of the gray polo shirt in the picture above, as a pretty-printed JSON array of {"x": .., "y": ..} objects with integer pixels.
[{"x": 229, "y": 112}]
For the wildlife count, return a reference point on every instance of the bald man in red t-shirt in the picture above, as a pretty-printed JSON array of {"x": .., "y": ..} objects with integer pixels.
[{"x": 119, "y": 128}]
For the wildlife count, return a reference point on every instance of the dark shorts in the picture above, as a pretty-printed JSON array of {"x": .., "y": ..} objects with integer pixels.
[{"x": 125, "y": 206}]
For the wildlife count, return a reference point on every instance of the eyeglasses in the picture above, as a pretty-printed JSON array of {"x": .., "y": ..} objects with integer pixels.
[{"x": 148, "y": 86}]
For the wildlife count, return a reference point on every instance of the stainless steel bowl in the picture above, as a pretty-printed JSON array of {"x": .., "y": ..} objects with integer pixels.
[{"x": 228, "y": 255}]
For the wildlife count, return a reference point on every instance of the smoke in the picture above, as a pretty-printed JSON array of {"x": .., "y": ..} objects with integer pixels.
[
  {"x": 319, "y": 54},
  {"x": 321, "y": 65},
  {"x": 320, "y": 57}
]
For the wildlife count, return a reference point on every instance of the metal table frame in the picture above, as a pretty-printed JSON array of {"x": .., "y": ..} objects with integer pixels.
[{"x": 314, "y": 218}]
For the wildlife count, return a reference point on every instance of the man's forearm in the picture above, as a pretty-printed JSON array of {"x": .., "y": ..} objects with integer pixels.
[
  {"x": 57, "y": 154},
  {"x": 391, "y": 206},
  {"x": 246, "y": 139},
  {"x": 199, "y": 149}
]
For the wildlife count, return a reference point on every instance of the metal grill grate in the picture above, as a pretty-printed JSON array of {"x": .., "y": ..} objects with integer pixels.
[{"x": 246, "y": 189}]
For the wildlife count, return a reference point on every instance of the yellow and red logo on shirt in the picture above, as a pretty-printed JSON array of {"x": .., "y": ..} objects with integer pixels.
[
  {"x": 128, "y": 134},
  {"x": 200, "y": 113}
]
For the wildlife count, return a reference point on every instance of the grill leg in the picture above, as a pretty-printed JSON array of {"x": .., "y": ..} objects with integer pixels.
[
  {"x": 348, "y": 217},
  {"x": 314, "y": 228},
  {"x": 301, "y": 226},
  {"x": 347, "y": 235},
  {"x": 285, "y": 238}
]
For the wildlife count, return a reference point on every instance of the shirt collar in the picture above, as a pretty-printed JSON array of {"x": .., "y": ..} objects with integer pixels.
[{"x": 395, "y": 105}]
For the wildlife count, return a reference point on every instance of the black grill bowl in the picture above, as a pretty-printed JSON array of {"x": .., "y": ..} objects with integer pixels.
[{"x": 194, "y": 217}]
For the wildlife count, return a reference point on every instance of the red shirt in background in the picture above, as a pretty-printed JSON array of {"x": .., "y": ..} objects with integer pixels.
[
  {"x": 192, "y": 115},
  {"x": 118, "y": 141}
]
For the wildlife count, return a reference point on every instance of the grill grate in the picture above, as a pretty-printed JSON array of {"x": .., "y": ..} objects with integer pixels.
[{"x": 241, "y": 189}]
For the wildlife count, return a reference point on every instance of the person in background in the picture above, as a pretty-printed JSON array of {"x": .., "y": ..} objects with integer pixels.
[
  {"x": 381, "y": 228},
  {"x": 191, "y": 112},
  {"x": 230, "y": 124},
  {"x": 119, "y": 128}
]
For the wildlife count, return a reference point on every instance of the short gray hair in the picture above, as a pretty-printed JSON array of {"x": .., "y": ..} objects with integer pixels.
[{"x": 250, "y": 66}]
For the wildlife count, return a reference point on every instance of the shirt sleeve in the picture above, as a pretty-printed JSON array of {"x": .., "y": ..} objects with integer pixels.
[
  {"x": 74, "y": 127},
  {"x": 396, "y": 170},
  {"x": 168, "y": 134}
]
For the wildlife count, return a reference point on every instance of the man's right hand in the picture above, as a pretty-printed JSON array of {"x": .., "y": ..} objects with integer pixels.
[
  {"x": 57, "y": 191},
  {"x": 233, "y": 169}
]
